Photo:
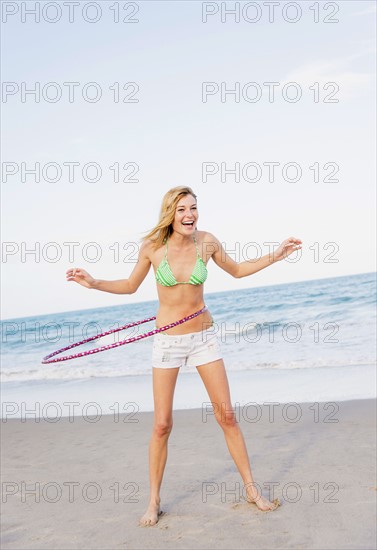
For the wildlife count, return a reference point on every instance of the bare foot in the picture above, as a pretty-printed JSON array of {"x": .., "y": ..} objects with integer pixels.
[
  {"x": 264, "y": 504},
  {"x": 151, "y": 515},
  {"x": 254, "y": 497}
]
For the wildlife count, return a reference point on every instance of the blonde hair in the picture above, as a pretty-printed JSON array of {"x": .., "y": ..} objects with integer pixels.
[{"x": 164, "y": 228}]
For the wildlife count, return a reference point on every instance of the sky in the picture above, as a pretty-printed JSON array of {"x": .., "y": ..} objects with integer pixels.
[{"x": 128, "y": 109}]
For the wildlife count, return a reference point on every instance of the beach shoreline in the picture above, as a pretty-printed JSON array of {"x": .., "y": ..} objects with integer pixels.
[
  {"x": 113, "y": 395},
  {"x": 79, "y": 483}
]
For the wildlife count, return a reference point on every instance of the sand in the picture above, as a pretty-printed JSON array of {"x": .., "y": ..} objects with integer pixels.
[{"x": 84, "y": 485}]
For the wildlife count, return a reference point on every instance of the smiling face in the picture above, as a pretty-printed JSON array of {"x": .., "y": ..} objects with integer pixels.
[{"x": 186, "y": 215}]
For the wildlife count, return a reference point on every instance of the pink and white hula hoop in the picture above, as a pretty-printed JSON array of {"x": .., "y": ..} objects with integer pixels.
[{"x": 48, "y": 359}]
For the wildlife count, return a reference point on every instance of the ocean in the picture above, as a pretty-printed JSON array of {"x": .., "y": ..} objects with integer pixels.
[{"x": 305, "y": 341}]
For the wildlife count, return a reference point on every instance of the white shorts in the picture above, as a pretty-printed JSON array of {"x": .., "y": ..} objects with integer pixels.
[{"x": 176, "y": 350}]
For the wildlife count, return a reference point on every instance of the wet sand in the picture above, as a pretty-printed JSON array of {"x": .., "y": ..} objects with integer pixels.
[{"x": 83, "y": 484}]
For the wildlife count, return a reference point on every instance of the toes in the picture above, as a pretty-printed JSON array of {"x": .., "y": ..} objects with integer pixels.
[
  {"x": 277, "y": 502},
  {"x": 149, "y": 521}
]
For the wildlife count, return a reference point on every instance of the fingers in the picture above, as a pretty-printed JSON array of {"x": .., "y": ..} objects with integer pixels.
[
  {"x": 293, "y": 243},
  {"x": 72, "y": 272},
  {"x": 294, "y": 240}
]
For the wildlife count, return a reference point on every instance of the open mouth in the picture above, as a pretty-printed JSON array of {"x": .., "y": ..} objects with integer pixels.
[{"x": 189, "y": 224}]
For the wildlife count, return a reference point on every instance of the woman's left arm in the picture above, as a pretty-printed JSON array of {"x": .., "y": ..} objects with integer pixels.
[
  {"x": 287, "y": 247},
  {"x": 249, "y": 267}
]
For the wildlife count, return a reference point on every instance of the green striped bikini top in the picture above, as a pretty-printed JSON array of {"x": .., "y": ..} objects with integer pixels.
[{"x": 165, "y": 277}]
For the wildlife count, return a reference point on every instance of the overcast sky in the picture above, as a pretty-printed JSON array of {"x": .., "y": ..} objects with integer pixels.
[{"x": 167, "y": 128}]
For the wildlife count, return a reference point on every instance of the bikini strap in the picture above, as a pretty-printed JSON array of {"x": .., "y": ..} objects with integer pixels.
[
  {"x": 166, "y": 248},
  {"x": 196, "y": 245},
  {"x": 197, "y": 249}
]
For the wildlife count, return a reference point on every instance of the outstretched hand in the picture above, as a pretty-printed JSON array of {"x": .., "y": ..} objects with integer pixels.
[
  {"x": 80, "y": 276},
  {"x": 287, "y": 247}
]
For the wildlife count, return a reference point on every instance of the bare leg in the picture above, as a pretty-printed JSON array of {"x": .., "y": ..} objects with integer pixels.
[
  {"x": 164, "y": 381},
  {"x": 216, "y": 383}
]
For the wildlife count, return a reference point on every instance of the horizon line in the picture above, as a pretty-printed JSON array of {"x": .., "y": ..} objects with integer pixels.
[{"x": 209, "y": 294}]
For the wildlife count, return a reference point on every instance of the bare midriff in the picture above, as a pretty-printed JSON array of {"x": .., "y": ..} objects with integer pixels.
[{"x": 178, "y": 302}]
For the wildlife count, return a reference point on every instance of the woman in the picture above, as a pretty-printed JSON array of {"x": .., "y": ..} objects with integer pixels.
[{"x": 179, "y": 254}]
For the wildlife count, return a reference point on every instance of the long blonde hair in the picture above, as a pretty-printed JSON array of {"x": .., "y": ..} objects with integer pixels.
[{"x": 164, "y": 228}]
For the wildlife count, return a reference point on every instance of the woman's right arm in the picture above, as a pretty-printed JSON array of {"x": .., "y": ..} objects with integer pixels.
[{"x": 121, "y": 286}]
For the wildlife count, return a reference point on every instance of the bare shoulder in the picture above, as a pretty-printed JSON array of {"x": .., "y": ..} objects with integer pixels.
[
  {"x": 148, "y": 250},
  {"x": 210, "y": 244},
  {"x": 205, "y": 237}
]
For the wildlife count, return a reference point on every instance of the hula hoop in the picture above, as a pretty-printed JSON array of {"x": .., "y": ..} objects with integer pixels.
[{"x": 46, "y": 360}]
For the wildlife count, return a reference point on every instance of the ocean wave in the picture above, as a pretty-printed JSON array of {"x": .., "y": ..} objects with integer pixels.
[{"x": 85, "y": 373}]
